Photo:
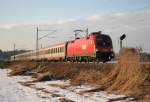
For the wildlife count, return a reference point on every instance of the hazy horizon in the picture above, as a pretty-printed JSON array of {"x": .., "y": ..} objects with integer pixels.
[{"x": 19, "y": 19}]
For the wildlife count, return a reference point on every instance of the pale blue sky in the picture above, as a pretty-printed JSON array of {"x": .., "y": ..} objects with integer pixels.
[
  {"x": 19, "y": 19},
  {"x": 38, "y": 10}
]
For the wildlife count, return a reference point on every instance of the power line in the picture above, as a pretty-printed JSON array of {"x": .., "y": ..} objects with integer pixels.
[{"x": 37, "y": 38}]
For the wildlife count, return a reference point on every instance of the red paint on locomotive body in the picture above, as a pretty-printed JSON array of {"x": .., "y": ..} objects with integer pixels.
[
  {"x": 96, "y": 45},
  {"x": 81, "y": 46}
]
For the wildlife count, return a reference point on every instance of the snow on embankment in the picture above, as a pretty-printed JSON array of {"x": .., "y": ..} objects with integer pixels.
[{"x": 12, "y": 91}]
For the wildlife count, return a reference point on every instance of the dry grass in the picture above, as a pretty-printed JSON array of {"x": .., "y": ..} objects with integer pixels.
[
  {"x": 126, "y": 74},
  {"x": 21, "y": 68},
  {"x": 127, "y": 77},
  {"x": 65, "y": 100}
]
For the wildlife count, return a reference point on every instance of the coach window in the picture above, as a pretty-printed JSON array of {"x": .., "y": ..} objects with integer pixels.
[
  {"x": 62, "y": 49},
  {"x": 51, "y": 51},
  {"x": 59, "y": 50},
  {"x": 54, "y": 50}
]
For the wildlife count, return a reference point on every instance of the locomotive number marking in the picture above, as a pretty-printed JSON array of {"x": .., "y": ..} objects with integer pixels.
[{"x": 83, "y": 46}]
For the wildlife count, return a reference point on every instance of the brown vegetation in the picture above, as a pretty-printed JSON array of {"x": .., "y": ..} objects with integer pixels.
[
  {"x": 65, "y": 100},
  {"x": 127, "y": 77},
  {"x": 21, "y": 68}
]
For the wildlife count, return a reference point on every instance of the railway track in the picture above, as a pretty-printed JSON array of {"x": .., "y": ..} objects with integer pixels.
[{"x": 94, "y": 63}]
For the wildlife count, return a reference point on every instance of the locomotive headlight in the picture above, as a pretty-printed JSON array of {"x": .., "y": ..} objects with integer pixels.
[{"x": 96, "y": 50}]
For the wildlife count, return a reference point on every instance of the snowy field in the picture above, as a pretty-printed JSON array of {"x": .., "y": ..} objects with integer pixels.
[{"x": 11, "y": 90}]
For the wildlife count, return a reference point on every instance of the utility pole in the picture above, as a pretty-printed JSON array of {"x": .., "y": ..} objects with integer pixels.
[
  {"x": 37, "y": 43},
  {"x": 14, "y": 51},
  {"x": 39, "y": 38},
  {"x": 120, "y": 44}
]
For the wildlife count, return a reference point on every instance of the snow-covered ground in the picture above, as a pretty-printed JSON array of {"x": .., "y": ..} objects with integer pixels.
[
  {"x": 12, "y": 91},
  {"x": 50, "y": 91}
]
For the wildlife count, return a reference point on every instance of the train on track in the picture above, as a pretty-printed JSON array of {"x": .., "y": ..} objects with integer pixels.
[{"x": 94, "y": 47}]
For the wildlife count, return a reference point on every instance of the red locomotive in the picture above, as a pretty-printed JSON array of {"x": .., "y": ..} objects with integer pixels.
[{"x": 94, "y": 47}]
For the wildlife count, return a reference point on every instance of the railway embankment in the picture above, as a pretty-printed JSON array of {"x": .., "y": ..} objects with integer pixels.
[{"x": 127, "y": 77}]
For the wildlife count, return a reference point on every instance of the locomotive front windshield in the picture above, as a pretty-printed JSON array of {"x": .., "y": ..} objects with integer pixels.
[{"x": 103, "y": 41}]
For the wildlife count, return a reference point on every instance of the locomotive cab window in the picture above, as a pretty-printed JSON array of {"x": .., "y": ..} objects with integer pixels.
[{"x": 103, "y": 41}]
